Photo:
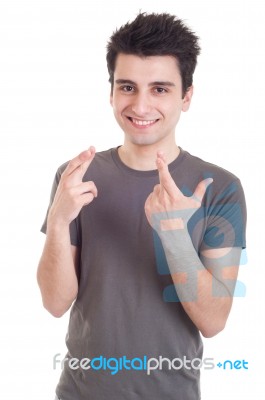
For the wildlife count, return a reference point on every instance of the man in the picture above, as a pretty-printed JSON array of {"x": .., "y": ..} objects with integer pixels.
[{"x": 144, "y": 240}]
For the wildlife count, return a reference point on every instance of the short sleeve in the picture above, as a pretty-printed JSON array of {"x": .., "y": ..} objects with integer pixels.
[
  {"x": 73, "y": 227},
  {"x": 226, "y": 220}
]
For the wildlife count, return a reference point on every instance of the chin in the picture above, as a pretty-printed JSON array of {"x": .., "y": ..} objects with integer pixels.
[{"x": 144, "y": 141}]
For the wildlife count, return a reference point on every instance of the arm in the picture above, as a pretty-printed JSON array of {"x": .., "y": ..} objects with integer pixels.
[
  {"x": 204, "y": 284},
  {"x": 57, "y": 273}
]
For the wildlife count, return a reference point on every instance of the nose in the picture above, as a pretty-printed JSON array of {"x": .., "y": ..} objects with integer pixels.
[{"x": 141, "y": 105}]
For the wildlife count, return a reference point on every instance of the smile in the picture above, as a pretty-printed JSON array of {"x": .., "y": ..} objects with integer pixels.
[{"x": 142, "y": 123}]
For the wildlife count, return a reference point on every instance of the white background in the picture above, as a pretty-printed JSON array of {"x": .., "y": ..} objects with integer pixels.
[{"x": 54, "y": 102}]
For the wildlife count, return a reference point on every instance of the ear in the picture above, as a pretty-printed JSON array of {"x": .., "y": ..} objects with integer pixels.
[
  {"x": 111, "y": 99},
  {"x": 187, "y": 99}
]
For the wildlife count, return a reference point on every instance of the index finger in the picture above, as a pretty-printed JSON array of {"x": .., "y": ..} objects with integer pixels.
[
  {"x": 80, "y": 162},
  {"x": 165, "y": 178}
]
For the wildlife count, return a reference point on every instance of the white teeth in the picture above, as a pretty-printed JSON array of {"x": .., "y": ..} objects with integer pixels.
[{"x": 139, "y": 122}]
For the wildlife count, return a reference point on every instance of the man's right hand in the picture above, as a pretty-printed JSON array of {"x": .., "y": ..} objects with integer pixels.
[{"x": 72, "y": 193}]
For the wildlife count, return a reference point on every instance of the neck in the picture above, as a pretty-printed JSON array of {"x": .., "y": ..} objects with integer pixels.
[{"x": 143, "y": 158}]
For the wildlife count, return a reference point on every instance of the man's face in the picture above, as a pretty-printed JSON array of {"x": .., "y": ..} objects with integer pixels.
[{"x": 147, "y": 98}]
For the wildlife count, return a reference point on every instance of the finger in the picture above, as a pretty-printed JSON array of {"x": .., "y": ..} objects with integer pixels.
[
  {"x": 87, "y": 187},
  {"x": 201, "y": 189},
  {"x": 165, "y": 178},
  {"x": 161, "y": 155},
  {"x": 87, "y": 198},
  {"x": 81, "y": 162},
  {"x": 157, "y": 189}
]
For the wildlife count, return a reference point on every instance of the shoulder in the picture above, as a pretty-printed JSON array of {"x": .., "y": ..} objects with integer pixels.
[
  {"x": 224, "y": 207},
  {"x": 226, "y": 186},
  {"x": 200, "y": 166},
  {"x": 196, "y": 169}
]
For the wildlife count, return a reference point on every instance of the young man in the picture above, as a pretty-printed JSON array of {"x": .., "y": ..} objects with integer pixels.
[{"x": 145, "y": 238}]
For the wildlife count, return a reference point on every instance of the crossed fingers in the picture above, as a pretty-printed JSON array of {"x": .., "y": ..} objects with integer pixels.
[
  {"x": 169, "y": 186},
  {"x": 167, "y": 198},
  {"x": 76, "y": 168}
]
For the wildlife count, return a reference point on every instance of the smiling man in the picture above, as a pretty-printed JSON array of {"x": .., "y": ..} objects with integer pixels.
[
  {"x": 143, "y": 240},
  {"x": 148, "y": 108}
]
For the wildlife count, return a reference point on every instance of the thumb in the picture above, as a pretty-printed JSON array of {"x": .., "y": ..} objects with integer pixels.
[{"x": 201, "y": 189}]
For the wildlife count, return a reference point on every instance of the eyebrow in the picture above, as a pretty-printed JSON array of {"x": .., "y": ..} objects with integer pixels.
[{"x": 155, "y": 83}]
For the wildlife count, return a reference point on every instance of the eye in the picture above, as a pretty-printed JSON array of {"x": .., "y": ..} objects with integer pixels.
[
  {"x": 160, "y": 90},
  {"x": 127, "y": 88}
]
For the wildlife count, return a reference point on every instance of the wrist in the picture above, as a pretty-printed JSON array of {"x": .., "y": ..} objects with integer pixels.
[
  {"x": 176, "y": 241},
  {"x": 171, "y": 224},
  {"x": 57, "y": 225}
]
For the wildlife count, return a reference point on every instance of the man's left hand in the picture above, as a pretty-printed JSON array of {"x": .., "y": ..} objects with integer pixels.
[{"x": 167, "y": 197}]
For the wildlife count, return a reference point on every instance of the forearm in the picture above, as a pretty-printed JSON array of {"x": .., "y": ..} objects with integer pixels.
[
  {"x": 58, "y": 266},
  {"x": 205, "y": 288},
  {"x": 56, "y": 271},
  {"x": 204, "y": 296}
]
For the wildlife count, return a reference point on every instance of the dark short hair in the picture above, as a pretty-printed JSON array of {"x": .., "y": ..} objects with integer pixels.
[{"x": 156, "y": 35}]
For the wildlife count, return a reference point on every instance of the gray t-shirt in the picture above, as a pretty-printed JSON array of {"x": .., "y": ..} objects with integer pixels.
[{"x": 125, "y": 312}]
